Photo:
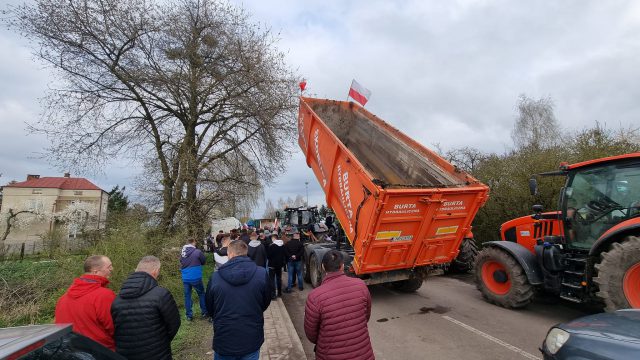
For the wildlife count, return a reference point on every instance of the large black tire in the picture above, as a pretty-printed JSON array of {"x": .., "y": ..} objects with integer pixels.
[
  {"x": 306, "y": 273},
  {"x": 466, "y": 258},
  {"x": 501, "y": 279},
  {"x": 315, "y": 270},
  {"x": 409, "y": 285},
  {"x": 618, "y": 273}
]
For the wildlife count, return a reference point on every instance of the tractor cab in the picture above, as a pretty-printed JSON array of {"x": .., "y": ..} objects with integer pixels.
[
  {"x": 304, "y": 219},
  {"x": 598, "y": 198}
]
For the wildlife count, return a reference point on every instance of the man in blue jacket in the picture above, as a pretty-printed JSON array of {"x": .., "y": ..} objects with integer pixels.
[
  {"x": 191, "y": 261},
  {"x": 237, "y": 296}
]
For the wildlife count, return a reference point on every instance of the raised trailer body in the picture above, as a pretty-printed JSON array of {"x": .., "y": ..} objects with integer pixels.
[{"x": 401, "y": 205}]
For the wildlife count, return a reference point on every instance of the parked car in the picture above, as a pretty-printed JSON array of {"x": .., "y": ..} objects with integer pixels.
[
  {"x": 601, "y": 336},
  {"x": 50, "y": 342}
]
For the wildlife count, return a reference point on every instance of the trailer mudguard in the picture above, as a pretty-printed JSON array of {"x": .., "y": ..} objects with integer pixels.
[{"x": 523, "y": 256}]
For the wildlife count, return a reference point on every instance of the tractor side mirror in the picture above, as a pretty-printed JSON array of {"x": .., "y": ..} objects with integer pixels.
[
  {"x": 537, "y": 211},
  {"x": 533, "y": 186}
]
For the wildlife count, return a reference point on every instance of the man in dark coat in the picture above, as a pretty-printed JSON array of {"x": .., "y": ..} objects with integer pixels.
[
  {"x": 244, "y": 236},
  {"x": 277, "y": 259},
  {"x": 219, "y": 237},
  {"x": 257, "y": 252},
  {"x": 294, "y": 251},
  {"x": 338, "y": 328},
  {"x": 237, "y": 295},
  {"x": 145, "y": 315},
  {"x": 220, "y": 254}
]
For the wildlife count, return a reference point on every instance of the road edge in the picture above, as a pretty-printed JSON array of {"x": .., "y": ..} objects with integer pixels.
[{"x": 293, "y": 334}]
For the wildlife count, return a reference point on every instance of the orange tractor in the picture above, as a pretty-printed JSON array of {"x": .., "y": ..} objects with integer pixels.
[{"x": 587, "y": 251}]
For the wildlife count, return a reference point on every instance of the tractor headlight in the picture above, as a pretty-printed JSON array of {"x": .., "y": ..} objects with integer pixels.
[{"x": 555, "y": 339}]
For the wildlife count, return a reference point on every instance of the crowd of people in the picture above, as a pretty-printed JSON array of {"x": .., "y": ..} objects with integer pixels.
[{"x": 142, "y": 319}]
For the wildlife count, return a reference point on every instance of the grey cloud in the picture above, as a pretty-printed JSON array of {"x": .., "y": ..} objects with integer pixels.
[{"x": 446, "y": 72}]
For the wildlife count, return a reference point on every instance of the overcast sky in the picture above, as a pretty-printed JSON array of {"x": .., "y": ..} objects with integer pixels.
[{"x": 445, "y": 72}]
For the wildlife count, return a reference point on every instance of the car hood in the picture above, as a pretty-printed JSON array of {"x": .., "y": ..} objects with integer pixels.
[{"x": 622, "y": 325}]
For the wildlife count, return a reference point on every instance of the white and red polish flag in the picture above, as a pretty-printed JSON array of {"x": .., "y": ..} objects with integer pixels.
[{"x": 359, "y": 93}]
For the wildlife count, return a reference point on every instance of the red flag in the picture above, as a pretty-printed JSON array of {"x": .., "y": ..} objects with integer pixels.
[
  {"x": 303, "y": 85},
  {"x": 359, "y": 93}
]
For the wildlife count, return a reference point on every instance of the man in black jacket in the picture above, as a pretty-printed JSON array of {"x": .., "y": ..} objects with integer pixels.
[
  {"x": 145, "y": 315},
  {"x": 257, "y": 252},
  {"x": 237, "y": 295},
  {"x": 294, "y": 251},
  {"x": 277, "y": 259}
]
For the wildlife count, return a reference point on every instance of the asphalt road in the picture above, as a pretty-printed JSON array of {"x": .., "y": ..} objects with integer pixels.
[{"x": 448, "y": 319}]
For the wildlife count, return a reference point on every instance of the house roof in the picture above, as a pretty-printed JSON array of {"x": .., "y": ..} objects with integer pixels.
[{"x": 63, "y": 183}]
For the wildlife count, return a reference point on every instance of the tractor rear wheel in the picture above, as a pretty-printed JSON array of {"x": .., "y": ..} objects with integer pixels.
[
  {"x": 410, "y": 285},
  {"x": 315, "y": 270},
  {"x": 501, "y": 279},
  {"x": 619, "y": 275},
  {"x": 463, "y": 263}
]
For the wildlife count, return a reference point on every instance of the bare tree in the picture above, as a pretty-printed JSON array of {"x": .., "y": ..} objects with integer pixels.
[
  {"x": 466, "y": 158},
  {"x": 536, "y": 125},
  {"x": 184, "y": 84},
  {"x": 9, "y": 221},
  {"x": 269, "y": 210},
  {"x": 299, "y": 201}
]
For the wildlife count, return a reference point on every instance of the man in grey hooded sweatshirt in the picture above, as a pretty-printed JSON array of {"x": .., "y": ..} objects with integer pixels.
[{"x": 257, "y": 252}]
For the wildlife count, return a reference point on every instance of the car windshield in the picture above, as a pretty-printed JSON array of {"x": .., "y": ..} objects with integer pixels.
[{"x": 597, "y": 199}]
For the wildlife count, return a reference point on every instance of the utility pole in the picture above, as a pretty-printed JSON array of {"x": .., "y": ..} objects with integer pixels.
[{"x": 306, "y": 186}]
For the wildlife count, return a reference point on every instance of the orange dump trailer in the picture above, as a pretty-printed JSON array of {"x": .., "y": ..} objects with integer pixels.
[{"x": 402, "y": 207}]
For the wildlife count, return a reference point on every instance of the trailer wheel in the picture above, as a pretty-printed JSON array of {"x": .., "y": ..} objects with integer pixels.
[
  {"x": 315, "y": 270},
  {"x": 463, "y": 263},
  {"x": 619, "y": 275},
  {"x": 501, "y": 279},
  {"x": 409, "y": 285},
  {"x": 306, "y": 272}
]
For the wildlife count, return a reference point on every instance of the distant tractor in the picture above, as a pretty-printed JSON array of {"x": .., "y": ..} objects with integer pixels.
[
  {"x": 304, "y": 219},
  {"x": 587, "y": 251}
]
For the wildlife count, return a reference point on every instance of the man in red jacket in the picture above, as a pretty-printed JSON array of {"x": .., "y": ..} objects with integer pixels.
[
  {"x": 337, "y": 312},
  {"x": 87, "y": 303}
]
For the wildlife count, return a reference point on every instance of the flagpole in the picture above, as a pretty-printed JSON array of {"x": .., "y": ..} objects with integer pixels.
[{"x": 349, "y": 91}]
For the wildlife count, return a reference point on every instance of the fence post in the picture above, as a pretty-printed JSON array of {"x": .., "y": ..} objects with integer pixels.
[{"x": 22, "y": 252}]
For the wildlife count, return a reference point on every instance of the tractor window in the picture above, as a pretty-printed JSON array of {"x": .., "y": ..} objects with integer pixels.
[
  {"x": 293, "y": 217},
  {"x": 599, "y": 198},
  {"x": 306, "y": 217}
]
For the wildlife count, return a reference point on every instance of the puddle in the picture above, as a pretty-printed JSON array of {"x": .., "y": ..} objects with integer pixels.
[
  {"x": 382, "y": 320},
  {"x": 436, "y": 310}
]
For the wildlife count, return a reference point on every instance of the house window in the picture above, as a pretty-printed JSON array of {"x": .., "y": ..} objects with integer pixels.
[
  {"x": 77, "y": 192},
  {"x": 36, "y": 191},
  {"x": 36, "y": 205}
]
